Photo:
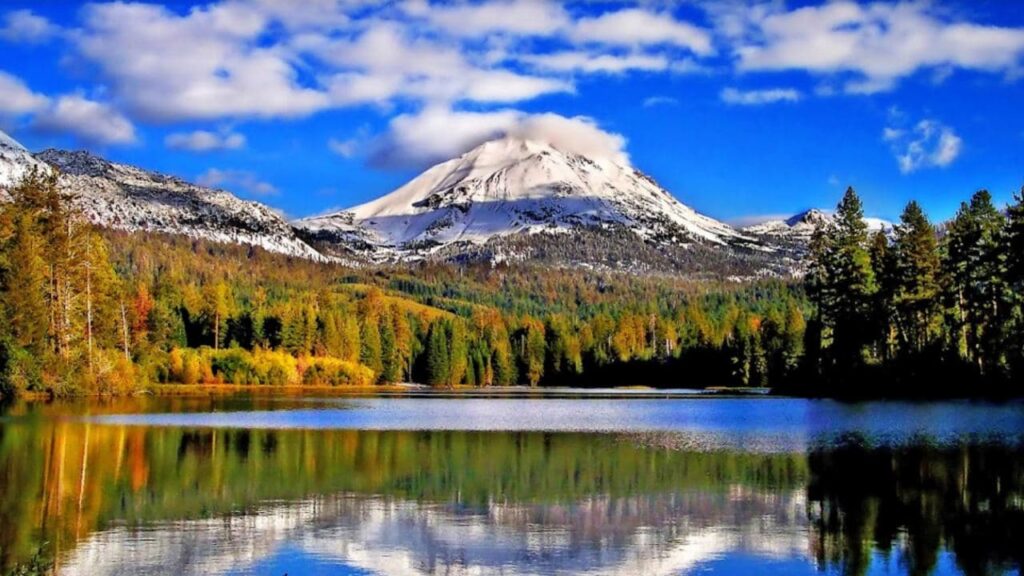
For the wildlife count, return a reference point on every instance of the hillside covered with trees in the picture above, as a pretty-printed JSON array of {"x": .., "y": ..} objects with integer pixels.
[{"x": 96, "y": 311}]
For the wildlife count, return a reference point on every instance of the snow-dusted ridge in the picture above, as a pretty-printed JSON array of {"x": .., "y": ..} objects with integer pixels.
[
  {"x": 15, "y": 161},
  {"x": 508, "y": 200},
  {"x": 126, "y": 198},
  {"x": 800, "y": 226},
  {"x": 512, "y": 186}
]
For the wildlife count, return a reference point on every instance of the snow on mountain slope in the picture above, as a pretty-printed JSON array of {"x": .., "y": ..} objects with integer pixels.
[
  {"x": 128, "y": 198},
  {"x": 509, "y": 186},
  {"x": 801, "y": 226},
  {"x": 15, "y": 161}
]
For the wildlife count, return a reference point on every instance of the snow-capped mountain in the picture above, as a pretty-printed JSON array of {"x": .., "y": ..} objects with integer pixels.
[
  {"x": 801, "y": 226},
  {"x": 128, "y": 198},
  {"x": 512, "y": 186},
  {"x": 15, "y": 161}
]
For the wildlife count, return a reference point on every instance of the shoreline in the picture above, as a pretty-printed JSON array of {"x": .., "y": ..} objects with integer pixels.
[
  {"x": 322, "y": 391},
  {"x": 423, "y": 390}
]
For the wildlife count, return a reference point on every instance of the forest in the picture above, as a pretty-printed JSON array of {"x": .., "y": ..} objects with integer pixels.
[
  {"x": 920, "y": 311},
  {"x": 91, "y": 311}
]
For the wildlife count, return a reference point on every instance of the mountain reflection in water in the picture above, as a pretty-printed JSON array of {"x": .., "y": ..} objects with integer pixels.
[{"x": 86, "y": 498}]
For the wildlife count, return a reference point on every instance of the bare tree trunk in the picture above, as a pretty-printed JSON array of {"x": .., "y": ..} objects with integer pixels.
[
  {"x": 124, "y": 330},
  {"x": 88, "y": 311},
  {"x": 55, "y": 302}
]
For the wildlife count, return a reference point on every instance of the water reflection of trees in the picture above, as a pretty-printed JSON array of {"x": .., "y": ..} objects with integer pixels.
[
  {"x": 62, "y": 480},
  {"x": 916, "y": 501}
]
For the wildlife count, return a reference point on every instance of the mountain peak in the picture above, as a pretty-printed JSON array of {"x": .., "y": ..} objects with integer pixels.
[
  {"x": 78, "y": 162},
  {"x": 802, "y": 225},
  {"x": 513, "y": 185},
  {"x": 809, "y": 217}
]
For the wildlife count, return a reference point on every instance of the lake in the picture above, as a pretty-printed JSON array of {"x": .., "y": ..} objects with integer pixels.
[{"x": 521, "y": 483}]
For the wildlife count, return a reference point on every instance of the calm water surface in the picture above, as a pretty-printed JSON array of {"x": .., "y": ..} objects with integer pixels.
[{"x": 511, "y": 485}]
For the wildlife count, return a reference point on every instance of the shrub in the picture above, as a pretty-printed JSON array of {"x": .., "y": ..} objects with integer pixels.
[
  {"x": 22, "y": 372},
  {"x": 323, "y": 371}
]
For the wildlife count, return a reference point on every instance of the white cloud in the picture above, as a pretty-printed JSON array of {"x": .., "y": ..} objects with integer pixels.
[
  {"x": 16, "y": 98},
  {"x": 344, "y": 148},
  {"x": 575, "y": 61},
  {"x": 759, "y": 97},
  {"x": 25, "y": 26},
  {"x": 88, "y": 120},
  {"x": 579, "y": 134},
  {"x": 307, "y": 14},
  {"x": 272, "y": 59},
  {"x": 205, "y": 141},
  {"x": 880, "y": 43},
  {"x": 517, "y": 17},
  {"x": 503, "y": 86},
  {"x": 438, "y": 133},
  {"x": 383, "y": 63},
  {"x": 239, "y": 180},
  {"x": 929, "y": 144},
  {"x": 638, "y": 27},
  {"x": 208, "y": 63}
]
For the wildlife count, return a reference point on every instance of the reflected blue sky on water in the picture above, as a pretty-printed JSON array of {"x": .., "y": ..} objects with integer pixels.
[{"x": 751, "y": 423}]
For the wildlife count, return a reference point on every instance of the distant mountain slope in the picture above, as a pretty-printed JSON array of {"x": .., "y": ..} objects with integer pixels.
[
  {"x": 801, "y": 226},
  {"x": 128, "y": 198},
  {"x": 15, "y": 161},
  {"x": 507, "y": 190}
]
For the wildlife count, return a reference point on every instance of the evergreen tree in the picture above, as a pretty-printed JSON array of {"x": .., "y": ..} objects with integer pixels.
[
  {"x": 26, "y": 286},
  {"x": 1013, "y": 249},
  {"x": 437, "y": 356},
  {"x": 1014, "y": 246},
  {"x": 883, "y": 266},
  {"x": 973, "y": 266},
  {"x": 458, "y": 349},
  {"x": 351, "y": 340},
  {"x": 916, "y": 282},
  {"x": 793, "y": 347},
  {"x": 391, "y": 368},
  {"x": 842, "y": 284},
  {"x": 404, "y": 345},
  {"x": 370, "y": 353},
  {"x": 531, "y": 350}
]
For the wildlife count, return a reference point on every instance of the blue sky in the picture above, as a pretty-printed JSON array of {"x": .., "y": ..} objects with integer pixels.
[{"x": 740, "y": 109}]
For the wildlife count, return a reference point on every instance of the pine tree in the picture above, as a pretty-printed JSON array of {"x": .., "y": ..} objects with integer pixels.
[
  {"x": 793, "y": 348},
  {"x": 26, "y": 287},
  {"x": 1014, "y": 246},
  {"x": 916, "y": 282},
  {"x": 437, "y": 356},
  {"x": 883, "y": 266},
  {"x": 370, "y": 353},
  {"x": 351, "y": 341},
  {"x": 458, "y": 349},
  {"x": 391, "y": 368},
  {"x": 842, "y": 283},
  {"x": 973, "y": 265},
  {"x": 404, "y": 350},
  {"x": 1013, "y": 250}
]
